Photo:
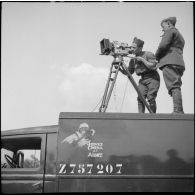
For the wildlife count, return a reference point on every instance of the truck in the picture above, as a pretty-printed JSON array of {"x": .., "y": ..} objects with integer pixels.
[{"x": 100, "y": 152}]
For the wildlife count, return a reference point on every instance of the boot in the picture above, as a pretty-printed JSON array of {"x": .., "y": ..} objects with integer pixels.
[
  {"x": 153, "y": 106},
  {"x": 141, "y": 107},
  {"x": 177, "y": 101}
]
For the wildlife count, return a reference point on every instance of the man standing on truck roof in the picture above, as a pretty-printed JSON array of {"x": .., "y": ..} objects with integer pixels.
[
  {"x": 170, "y": 57},
  {"x": 144, "y": 64}
]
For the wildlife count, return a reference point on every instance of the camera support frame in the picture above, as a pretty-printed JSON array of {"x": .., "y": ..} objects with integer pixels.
[{"x": 114, "y": 69}]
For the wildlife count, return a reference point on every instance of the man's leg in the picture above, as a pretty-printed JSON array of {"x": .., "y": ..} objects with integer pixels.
[
  {"x": 153, "y": 87},
  {"x": 141, "y": 106},
  {"x": 172, "y": 77},
  {"x": 153, "y": 106},
  {"x": 177, "y": 101},
  {"x": 143, "y": 90}
]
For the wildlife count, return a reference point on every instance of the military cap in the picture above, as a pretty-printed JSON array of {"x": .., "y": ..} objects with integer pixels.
[
  {"x": 172, "y": 20},
  {"x": 139, "y": 42}
]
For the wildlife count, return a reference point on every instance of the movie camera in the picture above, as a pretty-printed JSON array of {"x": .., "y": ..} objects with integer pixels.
[{"x": 114, "y": 48}]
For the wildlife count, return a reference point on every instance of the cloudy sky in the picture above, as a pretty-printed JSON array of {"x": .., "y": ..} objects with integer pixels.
[{"x": 50, "y": 60}]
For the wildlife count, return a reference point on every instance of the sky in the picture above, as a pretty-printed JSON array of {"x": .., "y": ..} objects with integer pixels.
[{"x": 51, "y": 62}]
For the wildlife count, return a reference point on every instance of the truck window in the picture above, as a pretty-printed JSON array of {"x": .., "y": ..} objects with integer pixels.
[{"x": 20, "y": 153}]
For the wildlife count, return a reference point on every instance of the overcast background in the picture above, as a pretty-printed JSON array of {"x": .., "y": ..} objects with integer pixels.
[{"x": 50, "y": 60}]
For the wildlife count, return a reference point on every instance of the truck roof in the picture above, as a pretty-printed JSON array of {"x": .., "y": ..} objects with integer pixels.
[
  {"x": 31, "y": 130},
  {"x": 134, "y": 116},
  {"x": 96, "y": 115}
]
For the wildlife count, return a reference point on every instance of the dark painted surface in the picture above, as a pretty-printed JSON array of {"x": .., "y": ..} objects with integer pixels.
[
  {"x": 125, "y": 185},
  {"x": 145, "y": 147},
  {"x": 50, "y": 184},
  {"x": 134, "y": 152},
  {"x": 161, "y": 146},
  {"x": 19, "y": 184}
]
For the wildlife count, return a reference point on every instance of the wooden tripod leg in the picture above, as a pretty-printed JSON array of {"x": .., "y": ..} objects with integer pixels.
[{"x": 107, "y": 94}]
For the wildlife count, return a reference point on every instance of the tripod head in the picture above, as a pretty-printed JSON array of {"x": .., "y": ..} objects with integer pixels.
[
  {"x": 117, "y": 59},
  {"x": 114, "y": 48}
]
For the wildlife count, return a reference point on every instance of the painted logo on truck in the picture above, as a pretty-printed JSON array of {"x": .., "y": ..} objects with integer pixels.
[{"x": 81, "y": 137}]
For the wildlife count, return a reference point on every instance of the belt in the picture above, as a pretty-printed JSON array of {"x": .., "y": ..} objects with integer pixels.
[
  {"x": 178, "y": 49},
  {"x": 148, "y": 74}
]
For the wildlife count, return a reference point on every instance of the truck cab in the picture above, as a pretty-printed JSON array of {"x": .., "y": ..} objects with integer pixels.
[{"x": 106, "y": 152}]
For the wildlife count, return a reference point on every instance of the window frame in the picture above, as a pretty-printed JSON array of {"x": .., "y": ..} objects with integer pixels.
[{"x": 39, "y": 169}]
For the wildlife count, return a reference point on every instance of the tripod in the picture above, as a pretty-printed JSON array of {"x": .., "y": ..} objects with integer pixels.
[{"x": 117, "y": 64}]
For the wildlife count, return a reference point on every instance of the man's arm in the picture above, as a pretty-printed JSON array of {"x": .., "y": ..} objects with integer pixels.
[
  {"x": 131, "y": 67},
  {"x": 151, "y": 61},
  {"x": 164, "y": 44}
]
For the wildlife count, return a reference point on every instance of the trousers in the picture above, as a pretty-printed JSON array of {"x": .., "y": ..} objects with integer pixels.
[
  {"x": 148, "y": 87},
  {"x": 172, "y": 76}
]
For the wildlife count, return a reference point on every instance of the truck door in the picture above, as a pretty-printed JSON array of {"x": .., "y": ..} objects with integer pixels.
[{"x": 22, "y": 163}]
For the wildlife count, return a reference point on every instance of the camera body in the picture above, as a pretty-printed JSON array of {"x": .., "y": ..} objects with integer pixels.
[{"x": 114, "y": 48}]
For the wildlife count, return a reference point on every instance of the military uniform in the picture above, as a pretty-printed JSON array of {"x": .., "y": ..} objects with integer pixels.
[
  {"x": 170, "y": 57},
  {"x": 150, "y": 80}
]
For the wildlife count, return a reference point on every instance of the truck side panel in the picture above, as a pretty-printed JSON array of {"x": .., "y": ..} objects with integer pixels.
[{"x": 126, "y": 153}]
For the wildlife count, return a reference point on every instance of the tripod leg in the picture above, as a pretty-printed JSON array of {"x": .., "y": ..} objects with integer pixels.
[
  {"x": 111, "y": 87},
  {"x": 136, "y": 88},
  {"x": 106, "y": 97},
  {"x": 106, "y": 90}
]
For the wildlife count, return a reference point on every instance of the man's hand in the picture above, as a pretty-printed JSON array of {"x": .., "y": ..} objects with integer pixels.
[
  {"x": 139, "y": 58},
  {"x": 131, "y": 56}
]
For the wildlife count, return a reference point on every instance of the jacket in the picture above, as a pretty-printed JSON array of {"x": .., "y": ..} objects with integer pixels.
[{"x": 170, "y": 49}]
